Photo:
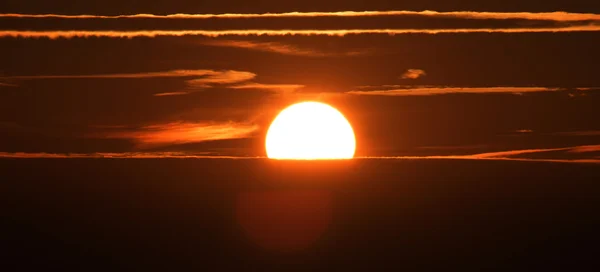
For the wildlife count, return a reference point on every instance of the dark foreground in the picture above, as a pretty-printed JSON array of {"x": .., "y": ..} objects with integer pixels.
[{"x": 217, "y": 214}]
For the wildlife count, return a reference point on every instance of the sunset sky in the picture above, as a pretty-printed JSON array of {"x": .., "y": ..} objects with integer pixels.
[
  {"x": 468, "y": 79},
  {"x": 192, "y": 135}
]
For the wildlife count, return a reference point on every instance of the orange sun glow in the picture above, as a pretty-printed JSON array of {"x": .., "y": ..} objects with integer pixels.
[{"x": 310, "y": 131}]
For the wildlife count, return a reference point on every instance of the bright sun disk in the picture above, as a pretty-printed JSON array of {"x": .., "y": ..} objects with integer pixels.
[{"x": 310, "y": 131}]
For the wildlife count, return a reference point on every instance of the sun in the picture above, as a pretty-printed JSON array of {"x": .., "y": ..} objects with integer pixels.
[{"x": 310, "y": 131}]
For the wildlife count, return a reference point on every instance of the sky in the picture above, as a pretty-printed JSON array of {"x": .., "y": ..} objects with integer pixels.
[
  {"x": 425, "y": 79},
  {"x": 476, "y": 124}
]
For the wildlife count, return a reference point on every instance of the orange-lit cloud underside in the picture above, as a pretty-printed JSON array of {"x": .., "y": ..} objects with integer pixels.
[
  {"x": 274, "y": 87},
  {"x": 410, "y": 91},
  {"x": 181, "y": 133},
  {"x": 413, "y": 74},
  {"x": 198, "y": 79},
  {"x": 123, "y": 155},
  {"x": 510, "y": 155},
  {"x": 279, "y": 48},
  {"x": 172, "y": 73},
  {"x": 502, "y": 155},
  {"x": 283, "y": 32},
  {"x": 553, "y": 16}
]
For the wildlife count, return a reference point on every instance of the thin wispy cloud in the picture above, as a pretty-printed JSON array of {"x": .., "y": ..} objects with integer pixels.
[
  {"x": 513, "y": 153},
  {"x": 172, "y": 73},
  {"x": 417, "y": 91},
  {"x": 7, "y": 85},
  {"x": 551, "y": 16},
  {"x": 225, "y": 77},
  {"x": 510, "y": 153},
  {"x": 413, "y": 74},
  {"x": 123, "y": 155},
  {"x": 578, "y": 161},
  {"x": 180, "y": 133},
  {"x": 493, "y": 156},
  {"x": 519, "y": 155},
  {"x": 269, "y": 87},
  {"x": 171, "y": 93},
  {"x": 278, "y": 48},
  {"x": 201, "y": 79},
  {"x": 585, "y": 148},
  {"x": 68, "y": 34}
]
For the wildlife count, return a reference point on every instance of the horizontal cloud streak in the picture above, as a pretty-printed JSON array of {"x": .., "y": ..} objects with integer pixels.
[
  {"x": 581, "y": 161},
  {"x": 560, "y": 16},
  {"x": 505, "y": 154},
  {"x": 201, "y": 79},
  {"x": 186, "y": 155},
  {"x": 172, "y": 73},
  {"x": 423, "y": 91},
  {"x": 7, "y": 85},
  {"x": 171, "y": 93},
  {"x": 270, "y": 87},
  {"x": 181, "y": 133},
  {"x": 276, "y": 47},
  {"x": 224, "y": 77},
  {"x": 510, "y": 155},
  {"x": 585, "y": 148},
  {"x": 124, "y": 155},
  {"x": 283, "y": 32}
]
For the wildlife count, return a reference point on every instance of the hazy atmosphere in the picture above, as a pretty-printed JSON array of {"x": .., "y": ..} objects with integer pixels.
[{"x": 440, "y": 123}]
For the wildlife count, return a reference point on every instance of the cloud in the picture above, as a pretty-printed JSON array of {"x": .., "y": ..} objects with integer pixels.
[
  {"x": 199, "y": 84},
  {"x": 585, "y": 148},
  {"x": 510, "y": 155},
  {"x": 413, "y": 74},
  {"x": 172, "y": 73},
  {"x": 232, "y": 77},
  {"x": 180, "y": 133},
  {"x": 269, "y": 87},
  {"x": 123, "y": 155},
  {"x": 202, "y": 79},
  {"x": 494, "y": 156},
  {"x": 560, "y": 16},
  {"x": 171, "y": 93},
  {"x": 556, "y": 22},
  {"x": 278, "y": 48},
  {"x": 421, "y": 91},
  {"x": 69, "y": 34},
  {"x": 580, "y": 161},
  {"x": 225, "y": 77},
  {"x": 506, "y": 154},
  {"x": 7, "y": 85}
]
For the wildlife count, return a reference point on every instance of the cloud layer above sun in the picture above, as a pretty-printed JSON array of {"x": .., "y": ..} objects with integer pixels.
[
  {"x": 552, "y": 16},
  {"x": 195, "y": 80},
  {"x": 300, "y": 23},
  {"x": 161, "y": 83},
  {"x": 68, "y": 34}
]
